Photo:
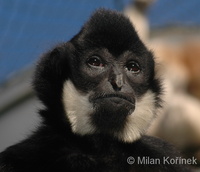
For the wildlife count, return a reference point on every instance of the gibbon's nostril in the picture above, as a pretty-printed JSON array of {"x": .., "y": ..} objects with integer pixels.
[
  {"x": 115, "y": 87},
  {"x": 117, "y": 82}
]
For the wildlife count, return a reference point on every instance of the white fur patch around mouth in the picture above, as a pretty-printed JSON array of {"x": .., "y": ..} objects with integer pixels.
[{"x": 79, "y": 110}]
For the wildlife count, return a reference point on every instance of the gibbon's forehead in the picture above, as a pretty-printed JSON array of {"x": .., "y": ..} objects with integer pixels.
[{"x": 110, "y": 29}]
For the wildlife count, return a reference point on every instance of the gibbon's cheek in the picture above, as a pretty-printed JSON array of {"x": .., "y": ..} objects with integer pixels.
[
  {"x": 78, "y": 109},
  {"x": 140, "y": 119}
]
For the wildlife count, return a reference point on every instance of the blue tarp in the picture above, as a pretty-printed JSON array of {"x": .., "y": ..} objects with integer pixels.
[
  {"x": 30, "y": 27},
  {"x": 175, "y": 12}
]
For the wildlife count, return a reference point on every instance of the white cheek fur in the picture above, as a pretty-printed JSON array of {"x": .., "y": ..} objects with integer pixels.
[
  {"x": 79, "y": 110},
  {"x": 140, "y": 119}
]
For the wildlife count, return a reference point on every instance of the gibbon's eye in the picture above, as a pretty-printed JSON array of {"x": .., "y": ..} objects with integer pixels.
[
  {"x": 133, "y": 67},
  {"x": 95, "y": 61}
]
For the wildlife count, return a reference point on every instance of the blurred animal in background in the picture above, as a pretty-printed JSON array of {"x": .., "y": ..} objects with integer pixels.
[{"x": 180, "y": 118}]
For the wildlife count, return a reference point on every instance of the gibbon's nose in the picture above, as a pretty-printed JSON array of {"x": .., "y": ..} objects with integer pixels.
[{"x": 117, "y": 82}]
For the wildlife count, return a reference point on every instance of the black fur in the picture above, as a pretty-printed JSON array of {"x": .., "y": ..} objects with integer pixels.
[{"x": 54, "y": 146}]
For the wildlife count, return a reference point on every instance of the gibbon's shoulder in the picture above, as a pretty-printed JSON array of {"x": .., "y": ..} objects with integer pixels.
[
  {"x": 150, "y": 143},
  {"x": 47, "y": 150},
  {"x": 154, "y": 154}
]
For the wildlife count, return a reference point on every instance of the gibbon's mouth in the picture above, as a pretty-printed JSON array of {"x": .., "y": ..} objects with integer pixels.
[{"x": 117, "y": 98}]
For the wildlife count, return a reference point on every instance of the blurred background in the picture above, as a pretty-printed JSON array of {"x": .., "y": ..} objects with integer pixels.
[{"x": 170, "y": 28}]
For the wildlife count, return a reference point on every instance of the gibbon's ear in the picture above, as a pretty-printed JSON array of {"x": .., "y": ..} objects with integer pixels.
[{"x": 50, "y": 73}]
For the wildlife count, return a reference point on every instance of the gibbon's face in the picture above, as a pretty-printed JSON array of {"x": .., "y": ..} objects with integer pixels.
[
  {"x": 112, "y": 86},
  {"x": 106, "y": 76}
]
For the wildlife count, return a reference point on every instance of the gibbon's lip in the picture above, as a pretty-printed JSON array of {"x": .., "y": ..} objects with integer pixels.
[{"x": 120, "y": 96}]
